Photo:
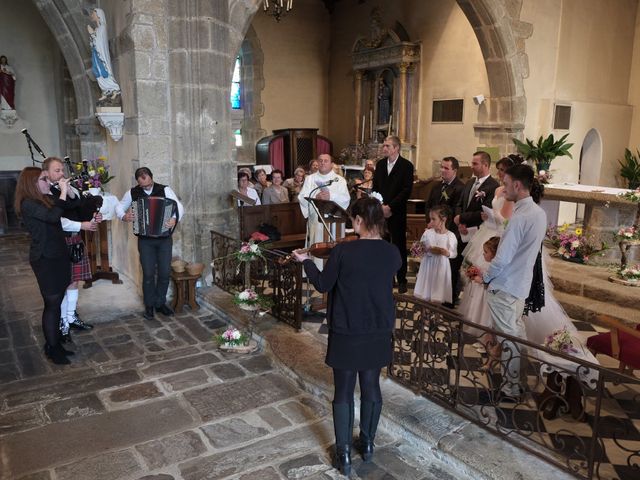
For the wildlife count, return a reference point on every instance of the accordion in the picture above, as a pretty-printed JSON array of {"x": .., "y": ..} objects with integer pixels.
[{"x": 151, "y": 214}]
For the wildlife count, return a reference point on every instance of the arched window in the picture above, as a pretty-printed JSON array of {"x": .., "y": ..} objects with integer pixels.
[{"x": 236, "y": 86}]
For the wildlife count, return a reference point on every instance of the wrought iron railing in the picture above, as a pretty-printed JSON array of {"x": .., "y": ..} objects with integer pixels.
[
  {"x": 273, "y": 277},
  {"x": 578, "y": 415}
]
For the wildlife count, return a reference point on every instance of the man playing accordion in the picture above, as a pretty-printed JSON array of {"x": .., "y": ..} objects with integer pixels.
[{"x": 155, "y": 251}]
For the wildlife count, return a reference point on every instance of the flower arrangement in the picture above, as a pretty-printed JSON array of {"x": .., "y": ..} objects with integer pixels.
[
  {"x": 249, "y": 251},
  {"x": 572, "y": 244},
  {"x": 628, "y": 234},
  {"x": 472, "y": 271},
  {"x": 630, "y": 273},
  {"x": 96, "y": 171},
  {"x": 231, "y": 337},
  {"x": 544, "y": 176},
  {"x": 353, "y": 154},
  {"x": 248, "y": 299},
  {"x": 418, "y": 249},
  {"x": 544, "y": 151},
  {"x": 560, "y": 340},
  {"x": 632, "y": 196}
]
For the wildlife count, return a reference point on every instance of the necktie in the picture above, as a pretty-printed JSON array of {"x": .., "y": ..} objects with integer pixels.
[{"x": 473, "y": 191}]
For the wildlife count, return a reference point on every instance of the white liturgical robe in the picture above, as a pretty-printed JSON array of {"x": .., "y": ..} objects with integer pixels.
[{"x": 338, "y": 193}]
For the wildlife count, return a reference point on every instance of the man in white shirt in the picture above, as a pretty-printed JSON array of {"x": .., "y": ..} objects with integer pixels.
[
  {"x": 155, "y": 253},
  {"x": 509, "y": 276},
  {"x": 327, "y": 186}
]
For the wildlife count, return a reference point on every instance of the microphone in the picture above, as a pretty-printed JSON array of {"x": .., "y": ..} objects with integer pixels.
[
  {"x": 30, "y": 140},
  {"x": 334, "y": 180}
]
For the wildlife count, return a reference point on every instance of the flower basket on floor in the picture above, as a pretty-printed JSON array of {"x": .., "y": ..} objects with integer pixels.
[
  {"x": 251, "y": 301},
  {"x": 629, "y": 276},
  {"x": 233, "y": 340},
  {"x": 571, "y": 245}
]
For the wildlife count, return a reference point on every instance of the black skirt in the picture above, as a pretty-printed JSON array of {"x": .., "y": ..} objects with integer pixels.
[
  {"x": 53, "y": 274},
  {"x": 359, "y": 352}
]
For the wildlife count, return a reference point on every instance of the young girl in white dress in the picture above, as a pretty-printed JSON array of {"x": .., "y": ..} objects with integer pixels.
[
  {"x": 474, "y": 306},
  {"x": 433, "y": 282}
]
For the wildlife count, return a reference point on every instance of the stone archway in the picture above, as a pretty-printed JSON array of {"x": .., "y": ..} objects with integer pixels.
[
  {"x": 66, "y": 22},
  {"x": 501, "y": 36}
]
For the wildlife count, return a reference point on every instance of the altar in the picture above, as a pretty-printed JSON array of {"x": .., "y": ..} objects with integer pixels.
[{"x": 605, "y": 211}]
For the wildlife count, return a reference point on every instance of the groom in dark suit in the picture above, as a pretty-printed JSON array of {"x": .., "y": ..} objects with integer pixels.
[
  {"x": 393, "y": 179},
  {"x": 448, "y": 192},
  {"x": 478, "y": 192}
]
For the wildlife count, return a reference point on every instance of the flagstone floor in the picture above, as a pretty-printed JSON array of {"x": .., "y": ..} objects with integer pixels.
[{"x": 156, "y": 400}]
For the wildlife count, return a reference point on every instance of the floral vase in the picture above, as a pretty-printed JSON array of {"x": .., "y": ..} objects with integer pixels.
[{"x": 249, "y": 308}]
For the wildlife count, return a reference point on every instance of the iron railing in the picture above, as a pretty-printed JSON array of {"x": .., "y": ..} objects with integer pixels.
[
  {"x": 575, "y": 414},
  {"x": 273, "y": 277}
]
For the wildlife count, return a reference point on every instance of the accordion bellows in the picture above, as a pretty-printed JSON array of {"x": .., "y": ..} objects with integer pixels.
[{"x": 151, "y": 214}]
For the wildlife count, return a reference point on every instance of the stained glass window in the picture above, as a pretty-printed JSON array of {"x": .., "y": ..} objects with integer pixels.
[
  {"x": 238, "y": 136},
  {"x": 236, "y": 86}
]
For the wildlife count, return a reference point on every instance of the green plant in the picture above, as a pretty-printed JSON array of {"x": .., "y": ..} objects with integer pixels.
[
  {"x": 543, "y": 152},
  {"x": 630, "y": 168}
]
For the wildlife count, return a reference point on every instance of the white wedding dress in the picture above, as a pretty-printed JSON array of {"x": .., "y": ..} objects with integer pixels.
[{"x": 473, "y": 251}]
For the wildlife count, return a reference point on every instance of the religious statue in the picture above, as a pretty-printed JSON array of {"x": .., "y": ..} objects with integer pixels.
[
  {"x": 384, "y": 102},
  {"x": 7, "y": 85},
  {"x": 101, "y": 58}
]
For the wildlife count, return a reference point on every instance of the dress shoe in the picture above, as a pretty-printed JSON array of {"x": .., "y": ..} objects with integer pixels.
[
  {"x": 78, "y": 324},
  {"x": 148, "y": 313},
  {"x": 402, "y": 287},
  {"x": 66, "y": 337},
  {"x": 165, "y": 310}
]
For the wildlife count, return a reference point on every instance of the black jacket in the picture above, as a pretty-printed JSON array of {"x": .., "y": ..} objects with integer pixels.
[
  {"x": 470, "y": 212},
  {"x": 47, "y": 237},
  {"x": 449, "y": 197},
  {"x": 396, "y": 187}
]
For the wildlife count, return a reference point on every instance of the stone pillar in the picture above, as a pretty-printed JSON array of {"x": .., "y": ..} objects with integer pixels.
[
  {"x": 402, "y": 110},
  {"x": 358, "y": 107}
]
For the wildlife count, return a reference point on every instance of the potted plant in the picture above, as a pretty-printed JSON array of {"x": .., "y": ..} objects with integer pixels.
[
  {"x": 544, "y": 151},
  {"x": 630, "y": 169}
]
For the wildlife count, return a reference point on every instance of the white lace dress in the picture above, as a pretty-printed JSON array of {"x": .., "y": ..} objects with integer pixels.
[
  {"x": 473, "y": 251},
  {"x": 433, "y": 282},
  {"x": 474, "y": 306}
]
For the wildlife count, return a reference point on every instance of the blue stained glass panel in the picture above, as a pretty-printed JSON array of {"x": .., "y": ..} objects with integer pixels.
[{"x": 236, "y": 89}]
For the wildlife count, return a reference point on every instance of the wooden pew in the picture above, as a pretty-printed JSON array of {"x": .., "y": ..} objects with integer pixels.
[{"x": 286, "y": 217}]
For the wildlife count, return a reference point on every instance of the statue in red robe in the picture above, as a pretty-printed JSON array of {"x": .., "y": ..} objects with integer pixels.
[{"x": 7, "y": 85}]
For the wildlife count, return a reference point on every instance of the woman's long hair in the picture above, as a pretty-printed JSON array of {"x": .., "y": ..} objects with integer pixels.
[{"x": 27, "y": 189}]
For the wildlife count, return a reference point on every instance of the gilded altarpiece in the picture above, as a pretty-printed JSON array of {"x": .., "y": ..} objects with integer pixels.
[{"x": 386, "y": 88}]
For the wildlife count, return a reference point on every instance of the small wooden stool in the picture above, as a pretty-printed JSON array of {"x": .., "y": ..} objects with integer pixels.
[{"x": 185, "y": 291}]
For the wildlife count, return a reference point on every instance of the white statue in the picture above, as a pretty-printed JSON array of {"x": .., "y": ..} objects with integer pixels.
[{"x": 100, "y": 57}]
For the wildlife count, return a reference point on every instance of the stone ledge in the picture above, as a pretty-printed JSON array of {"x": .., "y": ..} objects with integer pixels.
[{"x": 455, "y": 441}]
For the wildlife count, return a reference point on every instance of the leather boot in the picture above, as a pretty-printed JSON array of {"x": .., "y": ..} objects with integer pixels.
[
  {"x": 55, "y": 353},
  {"x": 369, "y": 417},
  {"x": 343, "y": 428}
]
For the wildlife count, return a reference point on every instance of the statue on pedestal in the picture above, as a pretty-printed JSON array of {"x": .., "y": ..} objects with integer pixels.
[
  {"x": 7, "y": 85},
  {"x": 384, "y": 102},
  {"x": 101, "y": 58}
]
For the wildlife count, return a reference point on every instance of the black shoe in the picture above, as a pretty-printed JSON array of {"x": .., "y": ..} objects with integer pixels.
[
  {"x": 56, "y": 354},
  {"x": 78, "y": 324},
  {"x": 148, "y": 313},
  {"x": 165, "y": 310},
  {"x": 402, "y": 287},
  {"x": 67, "y": 353},
  {"x": 343, "y": 460},
  {"x": 66, "y": 337}
]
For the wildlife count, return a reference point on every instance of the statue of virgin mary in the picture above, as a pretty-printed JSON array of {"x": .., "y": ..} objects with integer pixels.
[{"x": 100, "y": 57}]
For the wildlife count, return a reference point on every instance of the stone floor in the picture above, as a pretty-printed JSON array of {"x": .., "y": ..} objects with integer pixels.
[{"x": 156, "y": 400}]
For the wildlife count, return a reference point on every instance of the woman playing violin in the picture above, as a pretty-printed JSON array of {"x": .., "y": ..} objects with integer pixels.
[{"x": 361, "y": 317}]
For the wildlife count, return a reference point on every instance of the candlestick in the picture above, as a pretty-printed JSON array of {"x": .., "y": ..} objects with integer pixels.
[
  {"x": 370, "y": 125},
  {"x": 362, "y": 133},
  {"x": 389, "y": 127}
]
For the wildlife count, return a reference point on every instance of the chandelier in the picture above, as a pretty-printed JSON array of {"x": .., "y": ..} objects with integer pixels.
[{"x": 277, "y": 8}]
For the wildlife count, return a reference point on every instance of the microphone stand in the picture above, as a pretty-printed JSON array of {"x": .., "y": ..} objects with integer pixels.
[{"x": 31, "y": 142}]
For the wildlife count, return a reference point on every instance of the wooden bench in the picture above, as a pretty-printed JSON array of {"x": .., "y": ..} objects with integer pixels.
[{"x": 286, "y": 217}]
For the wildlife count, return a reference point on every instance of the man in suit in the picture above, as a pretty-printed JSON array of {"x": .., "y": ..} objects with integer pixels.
[
  {"x": 448, "y": 192},
  {"x": 393, "y": 179},
  {"x": 478, "y": 192}
]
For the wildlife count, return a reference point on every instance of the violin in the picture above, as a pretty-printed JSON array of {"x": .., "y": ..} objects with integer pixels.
[{"x": 320, "y": 249}]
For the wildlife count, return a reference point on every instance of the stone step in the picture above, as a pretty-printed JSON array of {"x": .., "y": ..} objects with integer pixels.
[{"x": 586, "y": 309}]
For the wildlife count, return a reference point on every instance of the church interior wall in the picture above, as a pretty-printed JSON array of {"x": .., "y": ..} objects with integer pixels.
[
  {"x": 451, "y": 67},
  {"x": 296, "y": 67},
  {"x": 33, "y": 54},
  {"x": 634, "y": 88}
]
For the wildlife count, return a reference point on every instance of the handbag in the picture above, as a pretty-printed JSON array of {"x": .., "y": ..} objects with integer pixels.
[{"x": 76, "y": 252}]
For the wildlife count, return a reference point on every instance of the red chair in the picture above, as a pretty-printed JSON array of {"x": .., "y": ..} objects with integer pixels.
[{"x": 621, "y": 343}]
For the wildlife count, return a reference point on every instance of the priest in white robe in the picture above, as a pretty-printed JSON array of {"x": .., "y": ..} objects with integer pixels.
[{"x": 332, "y": 187}]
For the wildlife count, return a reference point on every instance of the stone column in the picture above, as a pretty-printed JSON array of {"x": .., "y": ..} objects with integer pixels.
[
  {"x": 358, "y": 106},
  {"x": 402, "y": 110}
]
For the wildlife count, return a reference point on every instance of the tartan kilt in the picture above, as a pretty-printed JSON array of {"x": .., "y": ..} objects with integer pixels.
[{"x": 82, "y": 269}]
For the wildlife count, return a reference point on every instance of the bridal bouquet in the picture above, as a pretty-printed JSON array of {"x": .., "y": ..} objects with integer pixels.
[
  {"x": 418, "y": 249},
  {"x": 560, "y": 340}
]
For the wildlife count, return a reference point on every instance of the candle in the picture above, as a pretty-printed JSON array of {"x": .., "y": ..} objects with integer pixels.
[
  {"x": 371, "y": 125},
  {"x": 362, "y": 133},
  {"x": 390, "y": 122}
]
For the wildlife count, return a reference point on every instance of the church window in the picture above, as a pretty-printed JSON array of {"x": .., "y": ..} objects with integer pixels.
[
  {"x": 562, "y": 117},
  {"x": 236, "y": 86},
  {"x": 238, "y": 136},
  {"x": 447, "y": 111}
]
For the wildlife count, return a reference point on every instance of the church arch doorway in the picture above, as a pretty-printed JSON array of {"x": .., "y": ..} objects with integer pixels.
[{"x": 591, "y": 158}]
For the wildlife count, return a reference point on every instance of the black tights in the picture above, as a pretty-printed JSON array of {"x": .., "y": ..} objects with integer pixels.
[
  {"x": 345, "y": 384},
  {"x": 51, "y": 317}
]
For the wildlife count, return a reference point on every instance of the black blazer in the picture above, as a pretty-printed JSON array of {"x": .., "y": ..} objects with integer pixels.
[
  {"x": 395, "y": 188},
  {"x": 47, "y": 237},
  {"x": 470, "y": 212}
]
